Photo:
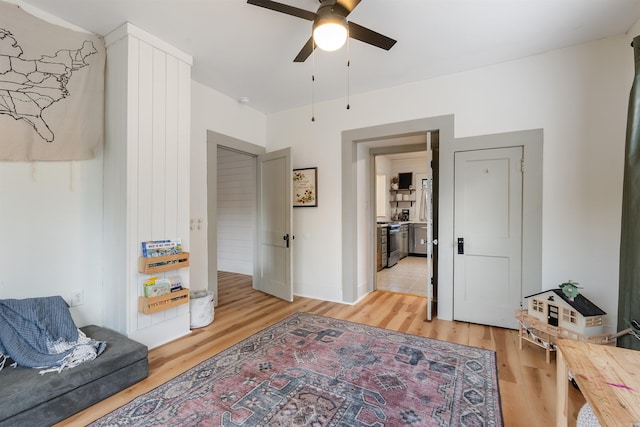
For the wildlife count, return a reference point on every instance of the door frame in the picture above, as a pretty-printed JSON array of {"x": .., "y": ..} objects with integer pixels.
[
  {"x": 215, "y": 140},
  {"x": 356, "y": 244},
  {"x": 531, "y": 142},
  {"x": 488, "y": 311}
]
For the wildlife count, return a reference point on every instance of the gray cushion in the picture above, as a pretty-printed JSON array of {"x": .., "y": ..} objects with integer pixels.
[{"x": 32, "y": 399}]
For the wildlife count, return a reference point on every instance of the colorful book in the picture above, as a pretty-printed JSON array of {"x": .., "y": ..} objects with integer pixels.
[
  {"x": 154, "y": 287},
  {"x": 156, "y": 248}
]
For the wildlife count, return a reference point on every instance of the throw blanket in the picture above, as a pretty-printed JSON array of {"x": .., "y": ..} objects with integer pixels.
[{"x": 40, "y": 333}]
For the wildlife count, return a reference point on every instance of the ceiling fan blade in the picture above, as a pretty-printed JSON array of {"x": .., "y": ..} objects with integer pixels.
[
  {"x": 284, "y": 8},
  {"x": 306, "y": 50},
  {"x": 366, "y": 35},
  {"x": 349, "y": 5}
]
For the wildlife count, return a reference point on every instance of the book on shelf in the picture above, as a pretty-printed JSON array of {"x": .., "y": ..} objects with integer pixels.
[
  {"x": 156, "y": 248},
  {"x": 155, "y": 286},
  {"x": 175, "y": 284}
]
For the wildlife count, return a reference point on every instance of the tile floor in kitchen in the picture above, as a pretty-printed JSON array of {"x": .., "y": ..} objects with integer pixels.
[{"x": 408, "y": 276}]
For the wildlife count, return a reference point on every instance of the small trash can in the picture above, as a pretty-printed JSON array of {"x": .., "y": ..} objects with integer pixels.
[{"x": 201, "y": 308}]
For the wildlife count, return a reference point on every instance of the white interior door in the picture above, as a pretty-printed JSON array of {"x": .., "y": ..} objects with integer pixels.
[
  {"x": 488, "y": 219},
  {"x": 273, "y": 269}
]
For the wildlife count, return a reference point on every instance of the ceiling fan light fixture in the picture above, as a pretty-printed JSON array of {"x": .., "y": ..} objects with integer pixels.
[{"x": 330, "y": 32}]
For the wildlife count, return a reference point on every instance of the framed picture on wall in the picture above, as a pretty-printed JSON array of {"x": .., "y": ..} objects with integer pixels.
[{"x": 305, "y": 187}]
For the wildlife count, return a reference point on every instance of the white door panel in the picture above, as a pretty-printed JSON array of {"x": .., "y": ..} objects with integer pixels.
[
  {"x": 274, "y": 225},
  {"x": 488, "y": 216}
]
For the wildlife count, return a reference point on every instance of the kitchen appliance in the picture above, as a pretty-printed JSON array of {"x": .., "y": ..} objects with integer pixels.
[
  {"x": 381, "y": 255},
  {"x": 419, "y": 239},
  {"x": 393, "y": 243},
  {"x": 404, "y": 216}
]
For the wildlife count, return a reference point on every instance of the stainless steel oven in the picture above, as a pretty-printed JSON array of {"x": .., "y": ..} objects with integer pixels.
[{"x": 393, "y": 244}]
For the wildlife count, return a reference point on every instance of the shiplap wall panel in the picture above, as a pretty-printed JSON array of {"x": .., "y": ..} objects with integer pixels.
[
  {"x": 114, "y": 294},
  {"x": 183, "y": 161},
  {"x": 130, "y": 162},
  {"x": 156, "y": 87},
  {"x": 142, "y": 87},
  {"x": 236, "y": 211},
  {"x": 171, "y": 153}
]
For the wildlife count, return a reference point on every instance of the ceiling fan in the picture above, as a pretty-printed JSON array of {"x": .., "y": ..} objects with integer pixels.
[{"x": 331, "y": 13}]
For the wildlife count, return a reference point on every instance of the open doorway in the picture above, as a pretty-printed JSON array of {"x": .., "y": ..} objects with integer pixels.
[
  {"x": 267, "y": 210},
  {"x": 402, "y": 224},
  {"x": 404, "y": 191},
  {"x": 245, "y": 155},
  {"x": 357, "y": 163}
]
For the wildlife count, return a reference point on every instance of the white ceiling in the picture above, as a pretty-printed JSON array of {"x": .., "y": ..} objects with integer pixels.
[{"x": 242, "y": 50}]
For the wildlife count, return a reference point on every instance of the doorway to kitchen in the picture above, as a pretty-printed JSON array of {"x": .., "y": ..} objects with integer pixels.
[{"x": 404, "y": 216}]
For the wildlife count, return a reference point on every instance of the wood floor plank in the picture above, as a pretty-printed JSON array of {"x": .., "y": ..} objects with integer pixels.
[{"x": 527, "y": 382}]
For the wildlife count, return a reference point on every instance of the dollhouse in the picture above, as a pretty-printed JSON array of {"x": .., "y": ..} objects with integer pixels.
[{"x": 561, "y": 313}]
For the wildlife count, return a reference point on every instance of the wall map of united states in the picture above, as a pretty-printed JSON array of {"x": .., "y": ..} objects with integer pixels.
[{"x": 29, "y": 86}]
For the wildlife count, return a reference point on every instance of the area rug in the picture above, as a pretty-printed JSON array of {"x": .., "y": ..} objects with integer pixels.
[{"x": 310, "y": 370}]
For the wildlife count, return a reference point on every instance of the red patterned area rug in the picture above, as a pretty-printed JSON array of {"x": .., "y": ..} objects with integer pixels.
[{"x": 310, "y": 370}]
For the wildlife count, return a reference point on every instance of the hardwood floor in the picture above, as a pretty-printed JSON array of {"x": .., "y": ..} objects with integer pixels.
[{"x": 527, "y": 383}]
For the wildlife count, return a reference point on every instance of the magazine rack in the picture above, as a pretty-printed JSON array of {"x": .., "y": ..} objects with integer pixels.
[
  {"x": 150, "y": 305},
  {"x": 163, "y": 263}
]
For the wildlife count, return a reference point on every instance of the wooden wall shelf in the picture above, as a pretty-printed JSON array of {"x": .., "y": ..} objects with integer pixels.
[
  {"x": 154, "y": 304},
  {"x": 163, "y": 263}
]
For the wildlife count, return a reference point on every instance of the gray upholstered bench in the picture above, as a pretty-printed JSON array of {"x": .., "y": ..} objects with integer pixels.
[{"x": 30, "y": 399}]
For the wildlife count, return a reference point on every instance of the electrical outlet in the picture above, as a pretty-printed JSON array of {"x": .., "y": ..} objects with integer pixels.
[{"x": 77, "y": 298}]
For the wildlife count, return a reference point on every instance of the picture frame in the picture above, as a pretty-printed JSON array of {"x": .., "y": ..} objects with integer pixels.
[{"x": 305, "y": 187}]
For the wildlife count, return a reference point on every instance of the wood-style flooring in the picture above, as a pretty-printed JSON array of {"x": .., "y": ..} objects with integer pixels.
[{"x": 527, "y": 382}]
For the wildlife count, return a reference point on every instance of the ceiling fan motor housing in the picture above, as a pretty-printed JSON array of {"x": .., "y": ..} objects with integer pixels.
[
  {"x": 330, "y": 28},
  {"x": 331, "y": 10}
]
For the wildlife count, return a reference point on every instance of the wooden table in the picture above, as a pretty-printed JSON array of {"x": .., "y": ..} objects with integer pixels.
[{"x": 608, "y": 377}]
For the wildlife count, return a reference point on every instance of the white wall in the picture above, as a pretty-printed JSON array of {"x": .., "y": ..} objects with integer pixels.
[
  {"x": 51, "y": 226},
  {"x": 51, "y": 232},
  {"x": 578, "y": 96}
]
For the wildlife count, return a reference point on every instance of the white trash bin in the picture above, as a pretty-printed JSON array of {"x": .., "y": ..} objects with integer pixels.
[{"x": 201, "y": 308}]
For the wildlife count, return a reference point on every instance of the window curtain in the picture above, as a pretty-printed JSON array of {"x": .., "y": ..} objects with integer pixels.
[{"x": 629, "y": 289}]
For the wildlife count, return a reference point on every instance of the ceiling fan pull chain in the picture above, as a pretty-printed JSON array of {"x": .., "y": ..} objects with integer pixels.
[
  {"x": 313, "y": 83},
  {"x": 348, "y": 70}
]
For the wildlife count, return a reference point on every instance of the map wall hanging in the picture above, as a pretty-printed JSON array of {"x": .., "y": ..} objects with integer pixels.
[{"x": 51, "y": 89}]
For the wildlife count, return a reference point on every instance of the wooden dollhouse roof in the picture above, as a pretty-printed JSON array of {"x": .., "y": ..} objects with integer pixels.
[{"x": 581, "y": 304}]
